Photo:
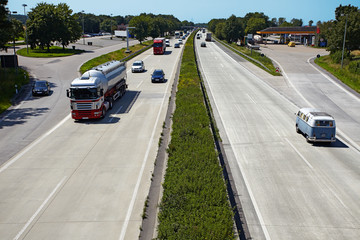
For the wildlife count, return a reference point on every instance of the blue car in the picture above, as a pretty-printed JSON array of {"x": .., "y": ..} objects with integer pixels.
[{"x": 158, "y": 76}]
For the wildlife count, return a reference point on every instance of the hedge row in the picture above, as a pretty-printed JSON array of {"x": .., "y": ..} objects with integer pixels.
[{"x": 194, "y": 203}]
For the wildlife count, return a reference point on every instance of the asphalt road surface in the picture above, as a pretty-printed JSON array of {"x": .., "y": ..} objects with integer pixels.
[
  {"x": 86, "y": 179},
  {"x": 289, "y": 189}
]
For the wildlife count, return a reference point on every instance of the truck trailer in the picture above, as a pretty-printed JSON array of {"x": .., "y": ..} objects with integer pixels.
[
  {"x": 92, "y": 94},
  {"x": 208, "y": 37}
]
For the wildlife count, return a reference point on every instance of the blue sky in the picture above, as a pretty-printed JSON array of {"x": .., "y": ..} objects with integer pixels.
[{"x": 200, "y": 11}]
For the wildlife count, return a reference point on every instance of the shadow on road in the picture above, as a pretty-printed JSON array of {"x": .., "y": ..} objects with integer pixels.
[
  {"x": 20, "y": 116},
  {"x": 337, "y": 144}
]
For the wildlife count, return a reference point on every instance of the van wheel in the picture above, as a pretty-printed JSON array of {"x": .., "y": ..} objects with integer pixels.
[
  {"x": 307, "y": 139},
  {"x": 297, "y": 129}
]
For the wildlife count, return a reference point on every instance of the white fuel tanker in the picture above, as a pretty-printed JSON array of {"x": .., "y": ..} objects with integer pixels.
[{"x": 92, "y": 94}]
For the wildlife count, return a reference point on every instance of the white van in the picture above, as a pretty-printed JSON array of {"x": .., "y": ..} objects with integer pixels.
[{"x": 316, "y": 125}]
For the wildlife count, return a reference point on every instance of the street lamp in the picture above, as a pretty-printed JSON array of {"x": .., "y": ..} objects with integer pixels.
[
  {"x": 83, "y": 26},
  {"x": 26, "y": 36},
  {"x": 127, "y": 39},
  {"x": 111, "y": 26},
  {"x": 342, "y": 55}
]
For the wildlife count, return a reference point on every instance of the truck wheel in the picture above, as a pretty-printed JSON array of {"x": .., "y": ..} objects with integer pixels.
[
  {"x": 297, "y": 129},
  {"x": 111, "y": 102},
  {"x": 103, "y": 112}
]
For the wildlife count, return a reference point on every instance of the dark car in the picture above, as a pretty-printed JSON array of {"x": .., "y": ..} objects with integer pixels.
[
  {"x": 203, "y": 44},
  {"x": 176, "y": 45},
  {"x": 158, "y": 76},
  {"x": 41, "y": 87}
]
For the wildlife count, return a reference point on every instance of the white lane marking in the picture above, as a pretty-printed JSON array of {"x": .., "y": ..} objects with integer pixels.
[
  {"x": 139, "y": 84},
  {"x": 246, "y": 182},
  {"x": 39, "y": 209},
  {"x": 302, "y": 157},
  {"x": 133, "y": 198},
  {"x": 117, "y": 112},
  {"x": 33, "y": 144},
  {"x": 251, "y": 98},
  {"x": 334, "y": 82}
]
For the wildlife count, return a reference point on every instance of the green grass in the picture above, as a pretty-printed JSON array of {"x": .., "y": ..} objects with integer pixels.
[
  {"x": 194, "y": 203},
  {"x": 352, "y": 79},
  {"x": 116, "y": 55},
  {"x": 255, "y": 55},
  {"x": 53, "y": 52},
  {"x": 9, "y": 78}
]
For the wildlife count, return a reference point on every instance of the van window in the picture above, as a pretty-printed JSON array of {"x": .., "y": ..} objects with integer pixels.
[
  {"x": 323, "y": 123},
  {"x": 307, "y": 118}
]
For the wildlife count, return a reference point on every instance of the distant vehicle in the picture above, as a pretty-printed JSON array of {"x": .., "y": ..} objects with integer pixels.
[
  {"x": 203, "y": 44},
  {"x": 167, "y": 41},
  {"x": 198, "y": 36},
  {"x": 159, "y": 46},
  {"x": 86, "y": 36},
  {"x": 208, "y": 37},
  {"x": 203, "y": 30},
  {"x": 180, "y": 41},
  {"x": 177, "y": 34},
  {"x": 158, "y": 76},
  {"x": 291, "y": 44},
  {"x": 317, "y": 126},
  {"x": 41, "y": 87},
  {"x": 138, "y": 66},
  {"x": 176, "y": 45},
  {"x": 184, "y": 37},
  {"x": 92, "y": 94}
]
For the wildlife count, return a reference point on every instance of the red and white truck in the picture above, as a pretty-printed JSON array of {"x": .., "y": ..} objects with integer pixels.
[
  {"x": 159, "y": 46},
  {"x": 92, "y": 94}
]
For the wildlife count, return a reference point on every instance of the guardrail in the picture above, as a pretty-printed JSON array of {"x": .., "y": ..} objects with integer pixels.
[{"x": 246, "y": 56}]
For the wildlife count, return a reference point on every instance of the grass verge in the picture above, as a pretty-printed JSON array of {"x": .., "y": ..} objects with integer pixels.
[
  {"x": 194, "y": 203},
  {"x": 116, "y": 55},
  {"x": 53, "y": 52},
  {"x": 350, "y": 77},
  {"x": 9, "y": 78},
  {"x": 250, "y": 55}
]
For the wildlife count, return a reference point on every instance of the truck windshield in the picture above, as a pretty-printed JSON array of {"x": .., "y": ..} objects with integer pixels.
[
  {"x": 84, "y": 93},
  {"x": 157, "y": 45}
]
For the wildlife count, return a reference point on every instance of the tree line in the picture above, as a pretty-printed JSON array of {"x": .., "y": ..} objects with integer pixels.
[{"x": 49, "y": 23}]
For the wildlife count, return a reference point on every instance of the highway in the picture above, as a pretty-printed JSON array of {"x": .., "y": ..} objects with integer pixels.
[
  {"x": 86, "y": 179},
  {"x": 288, "y": 188}
]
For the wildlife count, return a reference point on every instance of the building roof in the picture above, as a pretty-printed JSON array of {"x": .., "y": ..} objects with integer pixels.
[{"x": 288, "y": 30}]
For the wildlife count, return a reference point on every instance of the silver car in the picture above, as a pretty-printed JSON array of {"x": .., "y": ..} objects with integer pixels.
[{"x": 138, "y": 66}]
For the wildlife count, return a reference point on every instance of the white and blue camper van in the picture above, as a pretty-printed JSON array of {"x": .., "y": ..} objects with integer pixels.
[{"x": 317, "y": 126}]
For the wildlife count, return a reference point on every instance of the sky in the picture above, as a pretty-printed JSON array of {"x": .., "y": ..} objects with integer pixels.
[{"x": 202, "y": 11}]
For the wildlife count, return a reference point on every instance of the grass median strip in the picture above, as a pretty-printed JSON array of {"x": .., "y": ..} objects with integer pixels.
[{"x": 195, "y": 203}]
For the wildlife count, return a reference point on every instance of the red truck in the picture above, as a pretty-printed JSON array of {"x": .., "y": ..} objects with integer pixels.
[
  {"x": 159, "y": 46},
  {"x": 92, "y": 94}
]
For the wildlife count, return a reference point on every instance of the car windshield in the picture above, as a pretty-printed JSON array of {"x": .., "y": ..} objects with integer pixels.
[
  {"x": 84, "y": 93},
  {"x": 157, "y": 45},
  {"x": 157, "y": 73},
  {"x": 40, "y": 84},
  {"x": 137, "y": 64}
]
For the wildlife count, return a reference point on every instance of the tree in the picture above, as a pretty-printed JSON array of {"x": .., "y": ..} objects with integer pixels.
[
  {"x": 350, "y": 16},
  {"x": 232, "y": 29},
  {"x": 311, "y": 23},
  {"x": 220, "y": 30},
  {"x": 296, "y": 22},
  {"x": 40, "y": 25},
  {"x": 141, "y": 27},
  {"x": 281, "y": 21},
  {"x": 18, "y": 29},
  {"x": 108, "y": 25},
  {"x": 48, "y": 23},
  {"x": 254, "y": 25},
  {"x": 5, "y": 25}
]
